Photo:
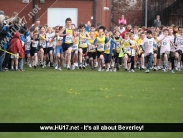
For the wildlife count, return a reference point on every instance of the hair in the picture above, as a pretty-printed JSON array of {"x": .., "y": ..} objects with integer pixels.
[
  {"x": 68, "y": 19},
  {"x": 165, "y": 30},
  {"x": 60, "y": 27},
  {"x": 103, "y": 28},
  {"x": 93, "y": 25},
  {"x": 149, "y": 32},
  {"x": 15, "y": 14},
  {"x": 127, "y": 34},
  {"x": 81, "y": 25}
]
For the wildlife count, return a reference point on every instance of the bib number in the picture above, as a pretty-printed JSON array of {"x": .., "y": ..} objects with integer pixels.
[
  {"x": 68, "y": 39},
  {"x": 100, "y": 47}
]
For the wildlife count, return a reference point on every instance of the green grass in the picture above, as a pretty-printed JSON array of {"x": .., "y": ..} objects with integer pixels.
[{"x": 51, "y": 96}]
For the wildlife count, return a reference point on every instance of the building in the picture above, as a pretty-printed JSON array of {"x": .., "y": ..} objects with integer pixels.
[{"x": 105, "y": 12}]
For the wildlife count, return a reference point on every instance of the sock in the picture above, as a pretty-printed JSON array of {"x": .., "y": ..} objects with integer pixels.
[
  {"x": 16, "y": 67},
  {"x": 12, "y": 67}
]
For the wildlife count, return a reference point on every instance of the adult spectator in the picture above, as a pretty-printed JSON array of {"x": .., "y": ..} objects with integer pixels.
[
  {"x": 157, "y": 21},
  {"x": 128, "y": 29},
  {"x": 122, "y": 20},
  {"x": 3, "y": 41},
  {"x": 37, "y": 24},
  {"x": 88, "y": 26},
  {"x": 121, "y": 27}
]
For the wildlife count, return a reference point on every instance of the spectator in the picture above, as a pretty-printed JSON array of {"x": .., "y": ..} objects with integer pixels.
[
  {"x": 3, "y": 42},
  {"x": 157, "y": 22},
  {"x": 88, "y": 26},
  {"x": 128, "y": 29},
  {"x": 122, "y": 20},
  {"x": 37, "y": 24},
  {"x": 121, "y": 27},
  {"x": 16, "y": 50}
]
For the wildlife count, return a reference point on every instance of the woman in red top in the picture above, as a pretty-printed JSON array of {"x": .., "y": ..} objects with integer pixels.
[{"x": 122, "y": 20}]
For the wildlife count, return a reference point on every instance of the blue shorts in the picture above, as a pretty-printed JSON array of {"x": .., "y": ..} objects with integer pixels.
[
  {"x": 59, "y": 49},
  {"x": 27, "y": 52}
]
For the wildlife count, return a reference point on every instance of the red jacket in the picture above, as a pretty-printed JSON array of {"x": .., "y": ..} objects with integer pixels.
[
  {"x": 123, "y": 33},
  {"x": 16, "y": 45}
]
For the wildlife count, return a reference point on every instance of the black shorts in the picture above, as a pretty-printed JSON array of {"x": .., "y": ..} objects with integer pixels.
[
  {"x": 66, "y": 46},
  {"x": 155, "y": 52},
  {"x": 84, "y": 50},
  {"x": 99, "y": 53},
  {"x": 33, "y": 50},
  {"x": 45, "y": 51},
  {"x": 179, "y": 52},
  {"x": 92, "y": 55},
  {"x": 50, "y": 49}
]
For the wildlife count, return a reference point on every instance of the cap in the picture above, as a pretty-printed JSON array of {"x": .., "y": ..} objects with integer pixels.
[{"x": 1, "y": 12}]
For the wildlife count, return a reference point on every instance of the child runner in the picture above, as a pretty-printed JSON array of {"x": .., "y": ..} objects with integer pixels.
[
  {"x": 179, "y": 51},
  {"x": 75, "y": 49},
  {"x": 83, "y": 41},
  {"x": 164, "y": 40},
  {"x": 50, "y": 35},
  {"x": 43, "y": 46},
  {"x": 108, "y": 50},
  {"x": 92, "y": 50},
  {"x": 59, "y": 51},
  {"x": 67, "y": 44},
  {"x": 100, "y": 42},
  {"x": 148, "y": 45},
  {"x": 34, "y": 48},
  {"x": 172, "y": 50}
]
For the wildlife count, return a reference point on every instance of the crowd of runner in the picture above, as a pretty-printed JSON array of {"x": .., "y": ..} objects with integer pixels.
[{"x": 123, "y": 48}]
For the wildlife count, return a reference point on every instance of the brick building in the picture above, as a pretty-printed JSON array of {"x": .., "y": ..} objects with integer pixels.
[{"x": 171, "y": 11}]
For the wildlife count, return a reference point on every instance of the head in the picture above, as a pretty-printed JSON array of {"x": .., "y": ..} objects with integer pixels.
[
  {"x": 122, "y": 16},
  {"x": 127, "y": 36},
  {"x": 82, "y": 27},
  {"x": 93, "y": 28},
  {"x": 129, "y": 27},
  {"x": 181, "y": 32},
  {"x": 68, "y": 22},
  {"x": 101, "y": 30},
  {"x": 136, "y": 28},
  {"x": 92, "y": 34},
  {"x": 155, "y": 35},
  {"x": 142, "y": 35},
  {"x": 49, "y": 30},
  {"x": 121, "y": 25},
  {"x": 132, "y": 36},
  {"x": 73, "y": 26},
  {"x": 89, "y": 24},
  {"x": 158, "y": 17},
  {"x": 57, "y": 29},
  {"x": 15, "y": 14},
  {"x": 165, "y": 32},
  {"x": 170, "y": 30},
  {"x": 42, "y": 30},
  {"x": 37, "y": 23},
  {"x": 75, "y": 33},
  {"x": 157, "y": 29},
  {"x": 117, "y": 33},
  {"x": 149, "y": 34},
  {"x": 35, "y": 33},
  {"x": 175, "y": 28}
]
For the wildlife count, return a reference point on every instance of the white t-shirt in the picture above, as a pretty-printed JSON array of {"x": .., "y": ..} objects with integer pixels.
[
  {"x": 50, "y": 36},
  {"x": 165, "y": 43},
  {"x": 148, "y": 45}
]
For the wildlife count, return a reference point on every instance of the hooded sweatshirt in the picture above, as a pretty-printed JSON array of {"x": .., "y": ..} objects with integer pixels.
[{"x": 16, "y": 45}]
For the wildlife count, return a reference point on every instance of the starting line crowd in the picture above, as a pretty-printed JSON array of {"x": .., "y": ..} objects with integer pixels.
[{"x": 156, "y": 48}]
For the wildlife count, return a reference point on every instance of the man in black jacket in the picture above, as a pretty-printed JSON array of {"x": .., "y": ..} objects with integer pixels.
[{"x": 3, "y": 41}]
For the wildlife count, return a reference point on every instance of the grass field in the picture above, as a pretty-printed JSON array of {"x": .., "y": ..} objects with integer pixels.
[{"x": 52, "y": 96}]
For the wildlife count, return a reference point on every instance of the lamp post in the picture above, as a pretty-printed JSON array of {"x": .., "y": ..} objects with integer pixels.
[{"x": 146, "y": 3}]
